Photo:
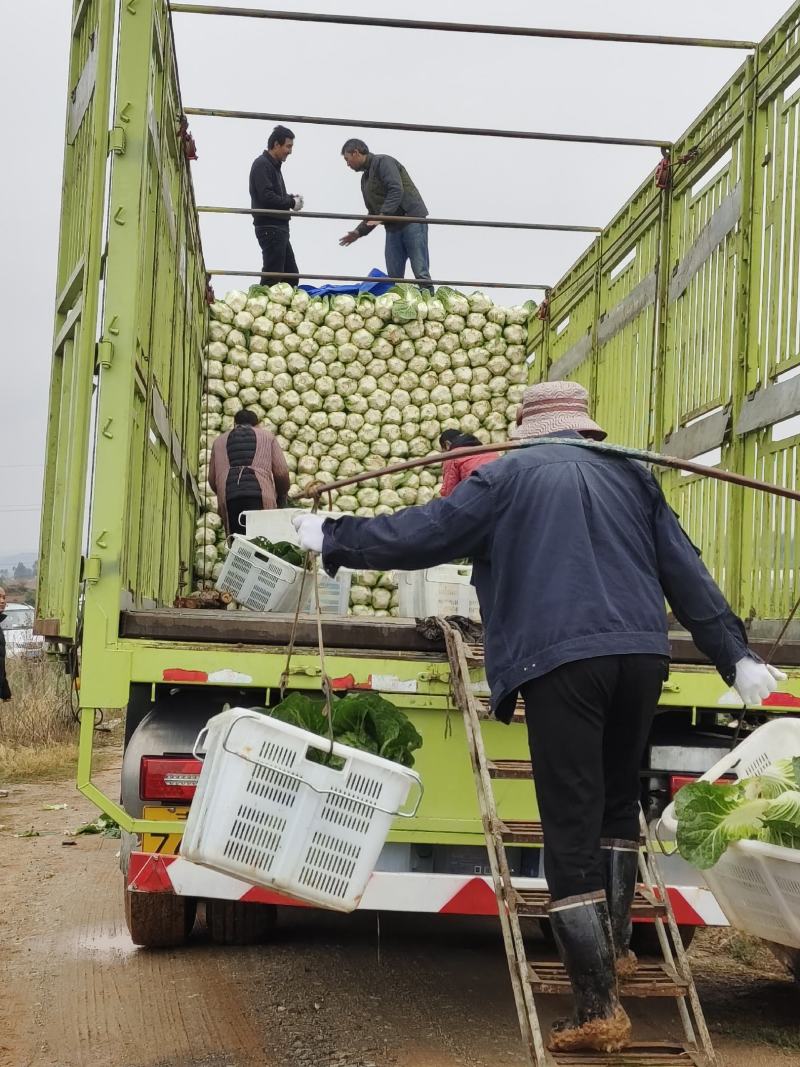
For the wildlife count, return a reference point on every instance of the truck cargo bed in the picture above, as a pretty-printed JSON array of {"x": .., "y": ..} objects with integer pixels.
[
  {"x": 273, "y": 628},
  {"x": 353, "y": 632}
]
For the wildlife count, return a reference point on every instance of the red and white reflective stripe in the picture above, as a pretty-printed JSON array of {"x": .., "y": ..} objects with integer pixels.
[{"x": 445, "y": 894}]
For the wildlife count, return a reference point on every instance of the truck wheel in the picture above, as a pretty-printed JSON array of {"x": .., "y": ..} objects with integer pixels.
[
  {"x": 237, "y": 922},
  {"x": 159, "y": 920}
]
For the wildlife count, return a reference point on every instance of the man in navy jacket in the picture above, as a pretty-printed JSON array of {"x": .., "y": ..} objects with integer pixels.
[{"x": 574, "y": 554}]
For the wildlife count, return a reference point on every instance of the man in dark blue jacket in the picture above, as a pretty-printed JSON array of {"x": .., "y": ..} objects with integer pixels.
[
  {"x": 267, "y": 190},
  {"x": 574, "y": 554}
]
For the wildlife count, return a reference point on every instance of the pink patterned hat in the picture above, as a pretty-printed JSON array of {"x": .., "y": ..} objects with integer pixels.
[{"x": 552, "y": 406}]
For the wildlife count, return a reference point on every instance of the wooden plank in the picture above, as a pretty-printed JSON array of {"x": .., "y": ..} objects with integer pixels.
[
  {"x": 272, "y": 628},
  {"x": 571, "y": 359},
  {"x": 629, "y": 308},
  {"x": 710, "y": 237},
  {"x": 767, "y": 406},
  {"x": 700, "y": 437}
]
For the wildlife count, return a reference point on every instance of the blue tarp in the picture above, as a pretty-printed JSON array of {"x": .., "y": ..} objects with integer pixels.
[{"x": 374, "y": 288}]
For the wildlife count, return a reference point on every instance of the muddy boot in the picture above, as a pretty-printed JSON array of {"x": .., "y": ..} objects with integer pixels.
[
  {"x": 620, "y": 868},
  {"x": 582, "y": 932}
]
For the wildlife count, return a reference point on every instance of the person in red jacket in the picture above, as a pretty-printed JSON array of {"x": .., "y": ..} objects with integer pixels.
[{"x": 455, "y": 471}]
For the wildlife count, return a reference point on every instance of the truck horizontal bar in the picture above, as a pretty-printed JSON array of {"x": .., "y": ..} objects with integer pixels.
[
  {"x": 424, "y": 127},
  {"x": 279, "y": 275},
  {"x": 464, "y": 27},
  {"x": 317, "y": 490},
  {"x": 552, "y": 226}
]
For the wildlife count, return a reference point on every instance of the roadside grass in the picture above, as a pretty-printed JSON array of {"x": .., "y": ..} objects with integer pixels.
[{"x": 38, "y": 729}]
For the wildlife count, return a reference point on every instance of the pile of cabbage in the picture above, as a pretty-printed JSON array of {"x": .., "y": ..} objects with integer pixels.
[{"x": 354, "y": 383}]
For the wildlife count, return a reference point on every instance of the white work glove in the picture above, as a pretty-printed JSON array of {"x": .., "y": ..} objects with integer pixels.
[
  {"x": 755, "y": 681},
  {"x": 309, "y": 531},
  {"x": 298, "y": 202}
]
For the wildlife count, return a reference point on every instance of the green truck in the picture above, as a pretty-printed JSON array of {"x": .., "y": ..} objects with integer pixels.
[{"x": 681, "y": 319}]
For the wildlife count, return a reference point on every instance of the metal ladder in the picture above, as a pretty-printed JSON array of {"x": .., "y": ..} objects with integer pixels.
[{"x": 668, "y": 977}]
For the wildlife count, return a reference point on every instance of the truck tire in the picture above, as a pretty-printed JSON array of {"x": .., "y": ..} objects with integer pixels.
[
  {"x": 159, "y": 920},
  {"x": 237, "y": 922},
  {"x": 140, "y": 702}
]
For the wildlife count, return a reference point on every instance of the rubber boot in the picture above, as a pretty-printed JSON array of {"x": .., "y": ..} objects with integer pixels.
[
  {"x": 582, "y": 931},
  {"x": 620, "y": 869}
]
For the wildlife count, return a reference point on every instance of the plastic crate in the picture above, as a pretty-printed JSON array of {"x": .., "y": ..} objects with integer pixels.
[
  {"x": 757, "y": 885},
  {"x": 265, "y": 813},
  {"x": 276, "y": 523},
  {"x": 334, "y": 593},
  {"x": 444, "y": 590},
  {"x": 259, "y": 580}
]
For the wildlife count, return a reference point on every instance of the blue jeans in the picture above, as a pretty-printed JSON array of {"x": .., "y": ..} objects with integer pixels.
[{"x": 409, "y": 243}]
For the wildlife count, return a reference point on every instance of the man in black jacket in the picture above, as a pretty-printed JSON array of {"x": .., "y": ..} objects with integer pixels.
[
  {"x": 574, "y": 552},
  {"x": 387, "y": 189},
  {"x": 267, "y": 190}
]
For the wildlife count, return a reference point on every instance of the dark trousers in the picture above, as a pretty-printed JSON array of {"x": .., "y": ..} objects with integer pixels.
[
  {"x": 277, "y": 254},
  {"x": 237, "y": 504},
  {"x": 588, "y": 724}
]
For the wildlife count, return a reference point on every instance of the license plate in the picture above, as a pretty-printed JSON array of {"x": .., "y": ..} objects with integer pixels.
[{"x": 166, "y": 843}]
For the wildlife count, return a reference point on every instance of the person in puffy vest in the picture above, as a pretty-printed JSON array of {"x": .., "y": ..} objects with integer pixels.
[
  {"x": 247, "y": 471},
  {"x": 454, "y": 471},
  {"x": 387, "y": 189}
]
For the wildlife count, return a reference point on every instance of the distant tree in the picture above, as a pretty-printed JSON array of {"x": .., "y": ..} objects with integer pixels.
[
  {"x": 35, "y": 568},
  {"x": 21, "y": 571}
]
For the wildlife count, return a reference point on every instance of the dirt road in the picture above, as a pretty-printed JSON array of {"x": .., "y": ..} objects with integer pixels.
[{"x": 329, "y": 991}]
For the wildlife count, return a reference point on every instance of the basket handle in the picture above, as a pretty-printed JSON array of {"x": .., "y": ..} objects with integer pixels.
[
  {"x": 199, "y": 740},
  {"x": 326, "y": 792}
]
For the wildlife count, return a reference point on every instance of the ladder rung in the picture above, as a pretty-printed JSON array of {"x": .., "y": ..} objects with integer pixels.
[
  {"x": 521, "y": 832},
  {"x": 534, "y": 903},
  {"x": 653, "y": 1054},
  {"x": 484, "y": 704},
  {"x": 651, "y": 979},
  {"x": 510, "y": 768}
]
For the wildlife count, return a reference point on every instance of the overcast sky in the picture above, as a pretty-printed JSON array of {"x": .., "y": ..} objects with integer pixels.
[{"x": 390, "y": 75}]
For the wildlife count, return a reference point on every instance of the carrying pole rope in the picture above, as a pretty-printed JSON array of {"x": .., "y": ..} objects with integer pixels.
[
  {"x": 309, "y": 565},
  {"x": 316, "y": 489}
]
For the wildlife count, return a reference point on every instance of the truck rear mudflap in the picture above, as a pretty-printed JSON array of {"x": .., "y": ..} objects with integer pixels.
[{"x": 446, "y": 894}]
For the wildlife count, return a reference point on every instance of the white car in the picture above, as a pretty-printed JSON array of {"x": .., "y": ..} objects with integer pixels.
[{"x": 18, "y": 629}]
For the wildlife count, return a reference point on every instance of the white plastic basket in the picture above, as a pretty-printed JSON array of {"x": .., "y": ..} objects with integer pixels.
[
  {"x": 444, "y": 590},
  {"x": 265, "y": 813},
  {"x": 757, "y": 885},
  {"x": 259, "y": 580},
  {"x": 276, "y": 523},
  {"x": 334, "y": 593}
]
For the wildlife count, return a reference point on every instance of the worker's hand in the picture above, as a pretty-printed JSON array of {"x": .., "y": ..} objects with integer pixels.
[
  {"x": 348, "y": 238},
  {"x": 299, "y": 201},
  {"x": 309, "y": 531},
  {"x": 755, "y": 681}
]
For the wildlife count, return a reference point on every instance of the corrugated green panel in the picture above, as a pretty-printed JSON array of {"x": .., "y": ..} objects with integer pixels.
[
  {"x": 624, "y": 331},
  {"x": 144, "y": 504},
  {"x": 78, "y": 288}
]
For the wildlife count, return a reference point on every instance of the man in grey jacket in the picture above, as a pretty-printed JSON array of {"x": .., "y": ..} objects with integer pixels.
[
  {"x": 387, "y": 189},
  {"x": 574, "y": 552}
]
